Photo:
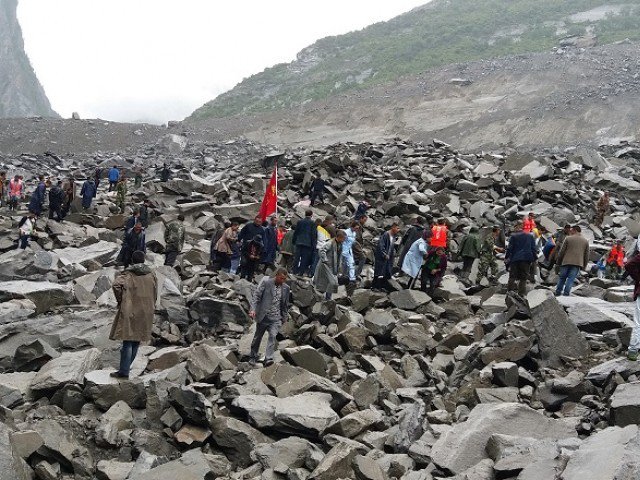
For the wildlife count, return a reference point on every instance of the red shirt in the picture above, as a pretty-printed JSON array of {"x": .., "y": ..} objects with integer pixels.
[
  {"x": 529, "y": 225},
  {"x": 439, "y": 236}
]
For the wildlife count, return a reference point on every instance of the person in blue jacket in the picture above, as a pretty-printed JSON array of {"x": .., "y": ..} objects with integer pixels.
[
  {"x": 88, "y": 193},
  {"x": 36, "y": 204},
  {"x": 114, "y": 176},
  {"x": 520, "y": 255}
]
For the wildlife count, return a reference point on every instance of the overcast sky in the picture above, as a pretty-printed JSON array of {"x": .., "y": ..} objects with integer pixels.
[{"x": 158, "y": 60}]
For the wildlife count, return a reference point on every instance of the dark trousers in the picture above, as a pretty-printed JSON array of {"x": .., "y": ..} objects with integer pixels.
[
  {"x": 55, "y": 212},
  {"x": 248, "y": 268},
  {"x": 224, "y": 260},
  {"x": 317, "y": 196},
  {"x": 467, "y": 263},
  {"x": 519, "y": 273},
  {"x": 429, "y": 282},
  {"x": 270, "y": 326},
  {"x": 286, "y": 260},
  {"x": 303, "y": 259},
  {"x": 170, "y": 257},
  {"x": 128, "y": 354},
  {"x": 23, "y": 242}
]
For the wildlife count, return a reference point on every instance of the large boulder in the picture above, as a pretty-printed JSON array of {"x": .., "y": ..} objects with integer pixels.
[
  {"x": 558, "y": 336},
  {"x": 464, "y": 445},
  {"x": 237, "y": 439},
  {"x": 100, "y": 252},
  {"x": 45, "y": 295},
  {"x": 70, "y": 367},
  {"x": 625, "y": 405}
]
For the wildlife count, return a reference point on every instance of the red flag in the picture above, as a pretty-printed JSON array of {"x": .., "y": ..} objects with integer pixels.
[{"x": 270, "y": 200}]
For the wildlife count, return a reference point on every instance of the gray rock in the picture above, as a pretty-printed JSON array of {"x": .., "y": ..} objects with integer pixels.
[
  {"x": 105, "y": 390},
  {"x": 464, "y": 445},
  {"x": 306, "y": 357},
  {"x": 557, "y": 335},
  {"x": 294, "y": 452},
  {"x": 625, "y": 404},
  {"x": 70, "y": 367},
  {"x": 409, "y": 299},
  {"x": 45, "y": 295},
  {"x": 237, "y": 439}
]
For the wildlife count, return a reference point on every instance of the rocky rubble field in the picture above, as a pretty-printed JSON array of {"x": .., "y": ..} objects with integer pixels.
[{"x": 469, "y": 385}]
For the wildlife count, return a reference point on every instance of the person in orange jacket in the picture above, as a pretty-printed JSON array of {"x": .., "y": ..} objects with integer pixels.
[
  {"x": 529, "y": 224},
  {"x": 615, "y": 260},
  {"x": 439, "y": 235}
]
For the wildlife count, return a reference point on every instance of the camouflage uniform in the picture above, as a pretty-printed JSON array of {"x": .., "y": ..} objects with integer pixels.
[
  {"x": 487, "y": 259},
  {"x": 121, "y": 194},
  {"x": 602, "y": 209},
  {"x": 174, "y": 241}
]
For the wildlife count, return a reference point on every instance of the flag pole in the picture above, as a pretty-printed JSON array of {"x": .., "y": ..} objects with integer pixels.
[{"x": 276, "y": 167}]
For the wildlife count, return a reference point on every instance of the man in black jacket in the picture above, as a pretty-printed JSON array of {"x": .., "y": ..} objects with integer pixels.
[
  {"x": 410, "y": 236},
  {"x": 56, "y": 199},
  {"x": 250, "y": 230},
  {"x": 305, "y": 238}
]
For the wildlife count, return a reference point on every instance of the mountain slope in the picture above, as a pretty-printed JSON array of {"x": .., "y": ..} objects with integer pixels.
[
  {"x": 439, "y": 33},
  {"x": 21, "y": 94}
]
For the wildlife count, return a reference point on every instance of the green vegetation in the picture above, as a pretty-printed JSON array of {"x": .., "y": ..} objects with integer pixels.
[{"x": 440, "y": 33}]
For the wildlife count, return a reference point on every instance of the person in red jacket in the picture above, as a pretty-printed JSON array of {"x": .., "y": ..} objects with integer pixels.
[
  {"x": 439, "y": 235},
  {"x": 529, "y": 224},
  {"x": 632, "y": 267},
  {"x": 615, "y": 260}
]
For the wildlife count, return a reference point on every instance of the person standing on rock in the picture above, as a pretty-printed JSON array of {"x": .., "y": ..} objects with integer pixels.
[
  {"x": 529, "y": 224},
  {"x": 521, "y": 253},
  {"x": 144, "y": 212},
  {"x": 134, "y": 241},
  {"x": 615, "y": 261},
  {"x": 165, "y": 173},
  {"x": 121, "y": 194},
  {"x": 325, "y": 231},
  {"x": 287, "y": 250},
  {"x": 413, "y": 233},
  {"x": 325, "y": 278},
  {"x": 137, "y": 179},
  {"x": 250, "y": 230},
  {"x": 488, "y": 252},
  {"x": 384, "y": 256},
  {"x": 16, "y": 192},
  {"x": 358, "y": 247},
  {"x": 317, "y": 190},
  {"x": 26, "y": 227},
  {"x": 97, "y": 176},
  {"x": 251, "y": 253},
  {"x": 559, "y": 239},
  {"x": 135, "y": 290},
  {"x": 69, "y": 189},
  {"x": 114, "y": 176},
  {"x": 632, "y": 267},
  {"x": 603, "y": 207},
  {"x": 440, "y": 235},
  {"x": 470, "y": 248},
  {"x": 88, "y": 193},
  {"x": 435, "y": 266},
  {"x": 305, "y": 238},
  {"x": 174, "y": 240},
  {"x": 133, "y": 219},
  {"x": 36, "y": 204},
  {"x": 414, "y": 259},
  {"x": 270, "y": 250},
  {"x": 351, "y": 235},
  {"x": 56, "y": 199},
  {"x": 269, "y": 308},
  {"x": 225, "y": 245},
  {"x": 572, "y": 257}
]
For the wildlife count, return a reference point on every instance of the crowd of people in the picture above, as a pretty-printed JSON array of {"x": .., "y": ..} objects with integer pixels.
[{"x": 332, "y": 255}]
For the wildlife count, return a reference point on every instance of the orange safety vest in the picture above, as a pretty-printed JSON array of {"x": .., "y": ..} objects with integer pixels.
[
  {"x": 280, "y": 233},
  {"x": 529, "y": 225},
  {"x": 15, "y": 188},
  {"x": 616, "y": 256},
  {"x": 439, "y": 236}
]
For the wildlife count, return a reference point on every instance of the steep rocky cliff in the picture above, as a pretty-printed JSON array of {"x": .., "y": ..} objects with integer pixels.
[{"x": 21, "y": 94}]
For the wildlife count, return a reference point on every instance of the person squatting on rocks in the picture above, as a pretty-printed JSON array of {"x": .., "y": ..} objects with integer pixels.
[
  {"x": 361, "y": 211},
  {"x": 603, "y": 207},
  {"x": 174, "y": 240},
  {"x": 384, "y": 258},
  {"x": 134, "y": 241},
  {"x": 470, "y": 249},
  {"x": 572, "y": 257},
  {"x": 325, "y": 278},
  {"x": 26, "y": 227},
  {"x": 36, "y": 203},
  {"x": 521, "y": 253},
  {"x": 88, "y": 193},
  {"x": 114, "y": 176},
  {"x": 305, "y": 241},
  {"x": 269, "y": 307},
  {"x": 615, "y": 261},
  {"x": 488, "y": 251},
  {"x": 16, "y": 192},
  {"x": 135, "y": 290},
  {"x": 225, "y": 246},
  {"x": 56, "y": 199},
  {"x": 348, "y": 258}
]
